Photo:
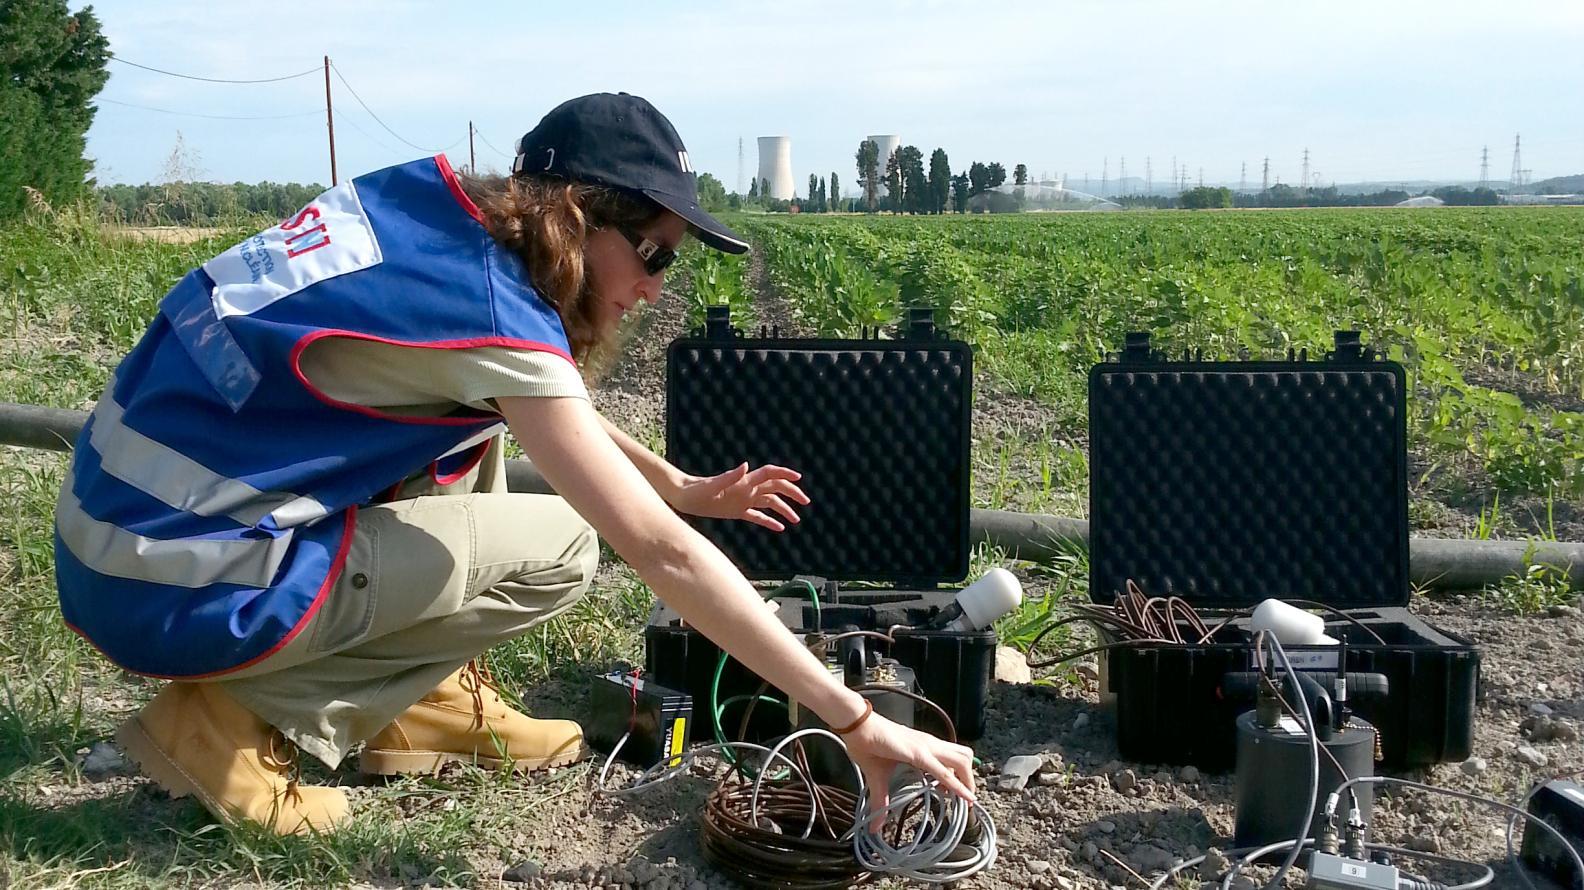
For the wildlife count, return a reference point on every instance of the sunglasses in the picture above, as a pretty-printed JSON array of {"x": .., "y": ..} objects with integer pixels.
[{"x": 656, "y": 259}]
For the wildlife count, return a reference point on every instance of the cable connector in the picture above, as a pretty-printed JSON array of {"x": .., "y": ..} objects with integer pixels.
[{"x": 1353, "y": 836}]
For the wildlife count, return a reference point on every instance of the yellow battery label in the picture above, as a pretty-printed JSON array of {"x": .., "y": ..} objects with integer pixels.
[{"x": 678, "y": 734}]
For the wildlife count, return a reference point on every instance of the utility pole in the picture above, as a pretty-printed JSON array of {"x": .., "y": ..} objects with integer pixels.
[
  {"x": 1122, "y": 176},
  {"x": 1105, "y": 175},
  {"x": 1149, "y": 180},
  {"x": 1265, "y": 179},
  {"x": 739, "y": 165},
  {"x": 1516, "y": 180},
  {"x": 1484, "y": 167},
  {"x": 472, "y": 160},
  {"x": 330, "y": 121},
  {"x": 1303, "y": 183},
  {"x": 1201, "y": 177},
  {"x": 1243, "y": 177},
  {"x": 1174, "y": 173}
]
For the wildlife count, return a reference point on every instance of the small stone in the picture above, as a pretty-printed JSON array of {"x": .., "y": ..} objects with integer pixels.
[
  {"x": 1011, "y": 666},
  {"x": 1090, "y": 851},
  {"x": 1081, "y": 722},
  {"x": 698, "y": 885},
  {"x": 522, "y": 872},
  {"x": 1038, "y": 866},
  {"x": 1148, "y": 857},
  {"x": 1474, "y": 766},
  {"x": 1050, "y": 777},
  {"x": 1531, "y": 756},
  {"x": 103, "y": 760},
  {"x": 1023, "y": 765},
  {"x": 1563, "y": 731},
  {"x": 1189, "y": 774},
  {"x": 1105, "y": 826},
  {"x": 1126, "y": 781},
  {"x": 1061, "y": 883},
  {"x": 1424, "y": 843},
  {"x": 1540, "y": 709},
  {"x": 623, "y": 876},
  {"x": 643, "y": 870},
  {"x": 1561, "y": 611},
  {"x": 1215, "y": 864},
  {"x": 1088, "y": 671}
]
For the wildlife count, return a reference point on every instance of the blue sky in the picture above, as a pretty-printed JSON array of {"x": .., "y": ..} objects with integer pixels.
[{"x": 1384, "y": 90}]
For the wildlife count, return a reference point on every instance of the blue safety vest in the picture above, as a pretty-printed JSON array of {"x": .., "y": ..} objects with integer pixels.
[{"x": 212, "y": 495}]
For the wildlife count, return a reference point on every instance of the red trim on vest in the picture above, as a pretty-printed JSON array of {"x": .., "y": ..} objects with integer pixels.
[
  {"x": 472, "y": 461},
  {"x": 295, "y": 360},
  {"x": 331, "y": 577},
  {"x": 455, "y": 185}
]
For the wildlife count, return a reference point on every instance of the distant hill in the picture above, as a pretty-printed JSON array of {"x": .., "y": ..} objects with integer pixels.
[{"x": 1559, "y": 185}]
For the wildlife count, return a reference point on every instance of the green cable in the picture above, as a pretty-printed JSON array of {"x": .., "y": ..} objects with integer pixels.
[{"x": 718, "y": 707}]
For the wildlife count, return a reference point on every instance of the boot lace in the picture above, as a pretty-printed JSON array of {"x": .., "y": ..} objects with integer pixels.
[
  {"x": 283, "y": 757},
  {"x": 476, "y": 678}
]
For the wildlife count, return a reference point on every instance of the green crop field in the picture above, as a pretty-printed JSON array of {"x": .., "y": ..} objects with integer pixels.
[{"x": 1485, "y": 308}]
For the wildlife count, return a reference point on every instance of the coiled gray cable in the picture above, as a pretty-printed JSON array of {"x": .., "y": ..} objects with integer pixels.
[{"x": 943, "y": 819}]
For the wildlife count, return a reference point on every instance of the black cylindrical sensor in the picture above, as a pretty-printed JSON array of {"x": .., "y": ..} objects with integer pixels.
[{"x": 1273, "y": 777}]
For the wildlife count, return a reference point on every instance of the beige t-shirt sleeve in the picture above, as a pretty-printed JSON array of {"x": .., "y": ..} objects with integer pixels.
[{"x": 429, "y": 382}]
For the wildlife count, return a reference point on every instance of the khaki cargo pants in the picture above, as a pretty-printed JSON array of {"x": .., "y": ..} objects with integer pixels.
[{"x": 432, "y": 579}]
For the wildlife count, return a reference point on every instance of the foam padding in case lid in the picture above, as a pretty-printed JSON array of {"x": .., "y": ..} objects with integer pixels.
[
  {"x": 1229, "y": 482},
  {"x": 878, "y": 429}
]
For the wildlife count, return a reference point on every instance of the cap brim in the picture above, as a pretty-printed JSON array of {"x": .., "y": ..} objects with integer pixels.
[{"x": 706, "y": 228}]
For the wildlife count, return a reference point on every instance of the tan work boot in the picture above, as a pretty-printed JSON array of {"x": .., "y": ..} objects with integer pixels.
[
  {"x": 464, "y": 720},
  {"x": 194, "y": 738}
]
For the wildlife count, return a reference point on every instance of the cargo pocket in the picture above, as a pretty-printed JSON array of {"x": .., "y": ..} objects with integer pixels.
[{"x": 347, "y": 613}]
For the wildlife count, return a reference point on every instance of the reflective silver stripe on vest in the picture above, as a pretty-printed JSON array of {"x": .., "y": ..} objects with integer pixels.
[
  {"x": 182, "y": 562},
  {"x": 184, "y": 484}
]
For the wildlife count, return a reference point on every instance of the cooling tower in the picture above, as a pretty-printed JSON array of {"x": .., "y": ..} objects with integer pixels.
[
  {"x": 888, "y": 146},
  {"x": 775, "y": 164}
]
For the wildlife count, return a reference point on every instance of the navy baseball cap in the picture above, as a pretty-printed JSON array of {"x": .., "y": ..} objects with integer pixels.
[{"x": 623, "y": 142}]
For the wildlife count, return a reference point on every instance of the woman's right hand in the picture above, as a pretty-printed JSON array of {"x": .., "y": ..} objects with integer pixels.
[{"x": 879, "y": 745}]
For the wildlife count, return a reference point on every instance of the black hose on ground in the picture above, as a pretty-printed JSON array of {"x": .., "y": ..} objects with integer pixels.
[{"x": 1437, "y": 563}]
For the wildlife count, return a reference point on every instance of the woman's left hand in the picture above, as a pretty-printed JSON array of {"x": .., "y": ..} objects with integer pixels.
[{"x": 740, "y": 493}]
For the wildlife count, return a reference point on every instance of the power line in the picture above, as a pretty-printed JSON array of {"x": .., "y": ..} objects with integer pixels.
[
  {"x": 343, "y": 119},
  {"x": 377, "y": 120},
  {"x": 314, "y": 70},
  {"x": 494, "y": 149},
  {"x": 217, "y": 117}
]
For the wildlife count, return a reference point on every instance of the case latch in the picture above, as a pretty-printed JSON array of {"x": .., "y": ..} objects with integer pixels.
[
  {"x": 1348, "y": 347},
  {"x": 919, "y": 324},
  {"x": 1136, "y": 346},
  {"x": 717, "y": 322}
]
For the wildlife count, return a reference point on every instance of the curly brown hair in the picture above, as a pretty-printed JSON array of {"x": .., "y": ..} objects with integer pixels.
[{"x": 546, "y": 222}]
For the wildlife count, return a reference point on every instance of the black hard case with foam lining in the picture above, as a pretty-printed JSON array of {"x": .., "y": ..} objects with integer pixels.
[
  {"x": 1225, "y": 483},
  {"x": 880, "y": 431}
]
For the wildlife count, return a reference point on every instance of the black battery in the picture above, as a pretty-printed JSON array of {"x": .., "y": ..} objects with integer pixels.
[{"x": 654, "y": 718}]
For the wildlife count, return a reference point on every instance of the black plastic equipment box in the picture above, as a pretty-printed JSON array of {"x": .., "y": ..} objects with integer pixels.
[
  {"x": 1225, "y": 483},
  {"x": 879, "y": 430}
]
